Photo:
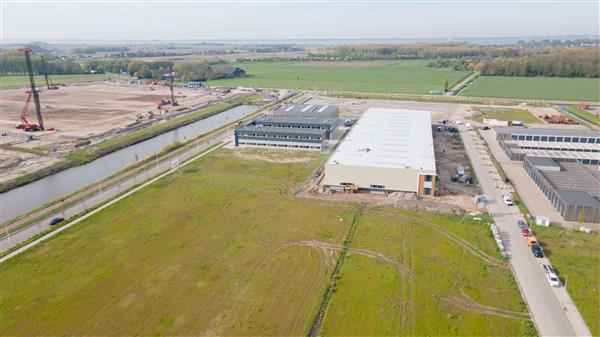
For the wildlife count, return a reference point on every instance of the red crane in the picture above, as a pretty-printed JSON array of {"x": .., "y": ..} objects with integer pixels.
[{"x": 25, "y": 125}]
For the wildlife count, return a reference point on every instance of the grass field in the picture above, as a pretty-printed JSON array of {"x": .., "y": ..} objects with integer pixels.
[
  {"x": 411, "y": 77},
  {"x": 576, "y": 258},
  {"x": 505, "y": 115},
  {"x": 223, "y": 248},
  {"x": 16, "y": 81},
  {"x": 569, "y": 89}
]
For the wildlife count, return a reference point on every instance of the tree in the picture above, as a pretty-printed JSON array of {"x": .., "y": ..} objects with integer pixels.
[{"x": 145, "y": 72}]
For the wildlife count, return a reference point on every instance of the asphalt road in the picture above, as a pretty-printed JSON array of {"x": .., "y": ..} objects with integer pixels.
[{"x": 552, "y": 310}]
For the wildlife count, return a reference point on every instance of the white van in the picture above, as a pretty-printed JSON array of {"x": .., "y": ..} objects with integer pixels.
[{"x": 508, "y": 201}]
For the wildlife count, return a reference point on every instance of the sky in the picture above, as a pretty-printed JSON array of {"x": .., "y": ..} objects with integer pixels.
[{"x": 196, "y": 20}]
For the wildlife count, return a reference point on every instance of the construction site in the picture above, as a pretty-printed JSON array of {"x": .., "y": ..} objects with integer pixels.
[{"x": 44, "y": 122}]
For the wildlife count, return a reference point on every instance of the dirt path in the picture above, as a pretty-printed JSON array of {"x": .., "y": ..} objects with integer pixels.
[{"x": 464, "y": 302}]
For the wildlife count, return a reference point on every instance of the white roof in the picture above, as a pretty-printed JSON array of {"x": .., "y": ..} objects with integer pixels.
[{"x": 389, "y": 138}]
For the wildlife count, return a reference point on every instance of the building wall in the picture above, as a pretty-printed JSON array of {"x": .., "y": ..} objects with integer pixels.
[
  {"x": 242, "y": 142},
  {"x": 380, "y": 178},
  {"x": 426, "y": 186}
]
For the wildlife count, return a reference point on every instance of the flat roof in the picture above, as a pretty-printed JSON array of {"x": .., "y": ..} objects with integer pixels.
[
  {"x": 558, "y": 154},
  {"x": 576, "y": 184},
  {"x": 296, "y": 120},
  {"x": 268, "y": 129},
  {"x": 542, "y": 161},
  {"x": 546, "y": 132},
  {"x": 390, "y": 138},
  {"x": 307, "y": 110}
]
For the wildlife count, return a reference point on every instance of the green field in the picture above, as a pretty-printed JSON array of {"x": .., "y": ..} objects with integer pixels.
[
  {"x": 224, "y": 248},
  {"x": 588, "y": 116},
  {"x": 576, "y": 258},
  {"x": 410, "y": 77},
  {"x": 505, "y": 115},
  {"x": 17, "y": 81},
  {"x": 569, "y": 89}
]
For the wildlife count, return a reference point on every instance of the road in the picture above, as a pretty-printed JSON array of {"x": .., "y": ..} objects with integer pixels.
[
  {"x": 552, "y": 310},
  {"x": 90, "y": 201}
]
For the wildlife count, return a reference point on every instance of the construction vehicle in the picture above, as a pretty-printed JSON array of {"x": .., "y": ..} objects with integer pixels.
[
  {"x": 25, "y": 124},
  {"x": 558, "y": 119},
  {"x": 173, "y": 102},
  {"x": 49, "y": 84},
  {"x": 162, "y": 102}
]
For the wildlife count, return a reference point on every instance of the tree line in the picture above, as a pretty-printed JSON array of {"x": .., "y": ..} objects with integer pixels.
[{"x": 582, "y": 62}]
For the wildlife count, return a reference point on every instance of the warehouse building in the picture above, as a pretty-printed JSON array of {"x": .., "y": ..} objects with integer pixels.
[
  {"x": 572, "y": 188},
  {"x": 574, "y": 145},
  {"x": 298, "y": 126},
  {"x": 387, "y": 150}
]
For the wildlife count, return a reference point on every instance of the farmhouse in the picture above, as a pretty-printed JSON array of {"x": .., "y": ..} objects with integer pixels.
[{"x": 387, "y": 150}]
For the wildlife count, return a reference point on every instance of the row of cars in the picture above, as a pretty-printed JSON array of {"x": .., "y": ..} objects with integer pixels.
[{"x": 536, "y": 249}]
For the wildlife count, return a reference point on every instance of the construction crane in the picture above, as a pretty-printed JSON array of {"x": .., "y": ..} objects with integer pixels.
[
  {"x": 49, "y": 84},
  {"x": 173, "y": 102},
  {"x": 25, "y": 125}
]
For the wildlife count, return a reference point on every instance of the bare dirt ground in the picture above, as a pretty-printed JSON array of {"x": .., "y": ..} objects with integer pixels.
[{"x": 80, "y": 112}]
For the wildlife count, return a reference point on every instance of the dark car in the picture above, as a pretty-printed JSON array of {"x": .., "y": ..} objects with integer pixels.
[
  {"x": 56, "y": 221},
  {"x": 537, "y": 250},
  {"x": 522, "y": 224}
]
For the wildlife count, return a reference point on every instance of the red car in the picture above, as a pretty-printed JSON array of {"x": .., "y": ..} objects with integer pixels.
[{"x": 526, "y": 232}]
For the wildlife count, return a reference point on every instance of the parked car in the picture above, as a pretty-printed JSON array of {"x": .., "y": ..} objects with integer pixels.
[
  {"x": 56, "y": 221},
  {"x": 486, "y": 127},
  {"x": 531, "y": 241},
  {"x": 525, "y": 232},
  {"x": 508, "y": 200},
  {"x": 551, "y": 275},
  {"x": 522, "y": 224},
  {"x": 537, "y": 250}
]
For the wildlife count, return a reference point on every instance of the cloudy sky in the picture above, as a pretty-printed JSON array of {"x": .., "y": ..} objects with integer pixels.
[{"x": 196, "y": 20}]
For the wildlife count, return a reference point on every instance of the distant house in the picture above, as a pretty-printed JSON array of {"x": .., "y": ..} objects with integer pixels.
[{"x": 238, "y": 72}]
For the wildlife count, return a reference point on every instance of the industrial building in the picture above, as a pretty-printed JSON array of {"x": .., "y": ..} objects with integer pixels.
[
  {"x": 308, "y": 111},
  {"x": 298, "y": 126},
  {"x": 573, "y": 189},
  {"x": 386, "y": 150},
  {"x": 573, "y": 145}
]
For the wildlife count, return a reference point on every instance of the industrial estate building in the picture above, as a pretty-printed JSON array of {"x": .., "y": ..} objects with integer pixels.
[
  {"x": 386, "y": 150},
  {"x": 574, "y": 145},
  {"x": 296, "y": 126},
  {"x": 572, "y": 188}
]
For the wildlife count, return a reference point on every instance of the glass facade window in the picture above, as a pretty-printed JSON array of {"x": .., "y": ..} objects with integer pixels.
[
  {"x": 521, "y": 137},
  {"x": 551, "y": 139},
  {"x": 559, "y": 139},
  {"x": 575, "y": 140},
  {"x": 544, "y": 138},
  {"x": 567, "y": 139},
  {"x": 528, "y": 138},
  {"x": 536, "y": 138},
  {"x": 514, "y": 137}
]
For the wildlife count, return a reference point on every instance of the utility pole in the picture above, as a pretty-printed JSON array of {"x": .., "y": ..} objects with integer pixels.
[{"x": 36, "y": 96}]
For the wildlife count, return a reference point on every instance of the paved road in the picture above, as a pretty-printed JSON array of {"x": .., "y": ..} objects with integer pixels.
[
  {"x": 19, "y": 236},
  {"x": 551, "y": 308}
]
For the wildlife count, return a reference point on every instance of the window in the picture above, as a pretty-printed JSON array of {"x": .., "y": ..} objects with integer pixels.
[
  {"x": 544, "y": 138},
  {"x": 559, "y": 139},
  {"x": 575, "y": 140},
  {"x": 514, "y": 137},
  {"x": 377, "y": 186},
  {"x": 528, "y": 138},
  {"x": 427, "y": 178},
  {"x": 552, "y": 139},
  {"x": 591, "y": 140},
  {"x": 346, "y": 184},
  {"x": 427, "y": 191},
  {"x": 536, "y": 138},
  {"x": 521, "y": 137},
  {"x": 567, "y": 139}
]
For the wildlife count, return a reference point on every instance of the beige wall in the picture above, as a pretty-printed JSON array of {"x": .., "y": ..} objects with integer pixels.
[{"x": 364, "y": 176}]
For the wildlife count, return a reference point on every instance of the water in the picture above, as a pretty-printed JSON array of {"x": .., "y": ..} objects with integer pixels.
[{"x": 33, "y": 195}]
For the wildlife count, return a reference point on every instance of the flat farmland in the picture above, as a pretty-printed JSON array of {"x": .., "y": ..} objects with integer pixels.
[
  {"x": 16, "y": 81},
  {"x": 224, "y": 248},
  {"x": 410, "y": 77},
  {"x": 554, "y": 88}
]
